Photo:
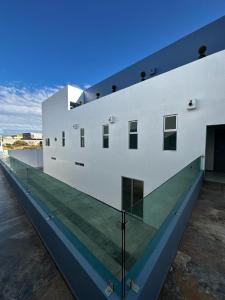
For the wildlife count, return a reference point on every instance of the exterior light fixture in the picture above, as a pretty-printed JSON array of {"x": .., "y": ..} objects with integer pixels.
[
  {"x": 201, "y": 51},
  {"x": 113, "y": 88},
  {"x": 143, "y": 74}
]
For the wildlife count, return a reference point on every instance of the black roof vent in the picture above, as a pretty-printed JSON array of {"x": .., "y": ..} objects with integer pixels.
[{"x": 97, "y": 95}]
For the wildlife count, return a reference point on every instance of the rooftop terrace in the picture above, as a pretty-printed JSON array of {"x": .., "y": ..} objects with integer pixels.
[{"x": 198, "y": 271}]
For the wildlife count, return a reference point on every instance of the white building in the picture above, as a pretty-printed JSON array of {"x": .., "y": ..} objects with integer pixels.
[{"x": 122, "y": 138}]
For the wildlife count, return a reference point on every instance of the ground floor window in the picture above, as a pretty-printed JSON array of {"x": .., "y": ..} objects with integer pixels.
[{"x": 132, "y": 194}]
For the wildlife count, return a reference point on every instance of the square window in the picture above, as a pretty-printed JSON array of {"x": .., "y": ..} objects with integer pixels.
[
  {"x": 133, "y": 126},
  {"x": 170, "y": 123},
  {"x": 170, "y": 140}
]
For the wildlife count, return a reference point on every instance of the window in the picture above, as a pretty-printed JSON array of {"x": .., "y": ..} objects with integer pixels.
[
  {"x": 170, "y": 133},
  {"x": 133, "y": 135},
  {"x": 132, "y": 194},
  {"x": 63, "y": 139},
  {"x": 105, "y": 140},
  {"x": 77, "y": 163},
  {"x": 47, "y": 142},
  {"x": 82, "y": 142}
]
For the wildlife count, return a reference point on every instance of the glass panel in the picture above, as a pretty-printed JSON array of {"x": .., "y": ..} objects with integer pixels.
[
  {"x": 106, "y": 141},
  {"x": 138, "y": 186},
  {"x": 133, "y": 126},
  {"x": 133, "y": 141},
  {"x": 105, "y": 129},
  {"x": 126, "y": 192},
  {"x": 159, "y": 208},
  {"x": 82, "y": 131},
  {"x": 93, "y": 227},
  {"x": 170, "y": 122},
  {"x": 170, "y": 140}
]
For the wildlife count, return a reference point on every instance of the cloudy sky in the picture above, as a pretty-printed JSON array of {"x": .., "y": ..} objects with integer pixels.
[{"x": 47, "y": 44}]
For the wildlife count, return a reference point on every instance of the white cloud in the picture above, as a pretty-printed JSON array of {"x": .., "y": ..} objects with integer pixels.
[{"x": 20, "y": 108}]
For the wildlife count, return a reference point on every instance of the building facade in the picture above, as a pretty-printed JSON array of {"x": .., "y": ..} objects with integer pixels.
[{"x": 122, "y": 138}]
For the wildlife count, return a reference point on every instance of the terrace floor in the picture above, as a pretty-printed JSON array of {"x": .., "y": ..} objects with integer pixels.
[
  {"x": 198, "y": 272},
  {"x": 26, "y": 270}
]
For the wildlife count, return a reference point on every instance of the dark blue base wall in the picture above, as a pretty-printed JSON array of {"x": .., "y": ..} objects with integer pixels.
[
  {"x": 84, "y": 282},
  {"x": 154, "y": 273}
]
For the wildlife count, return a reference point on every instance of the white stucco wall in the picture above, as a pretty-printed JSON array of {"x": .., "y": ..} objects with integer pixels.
[
  {"x": 32, "y": 157},
  {"x": 147, "y": 102}
]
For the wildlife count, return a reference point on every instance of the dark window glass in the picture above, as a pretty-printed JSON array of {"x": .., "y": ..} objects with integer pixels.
[
  {"x": 82, "y": 141},
  {"x": 63, "y": 138},
  {"x": 133, "y": 126},
  {"x": 170, "y": 122},
  {"x": 133, "y": 141},
  {"x": 126, "y": 193},
  {"x": 105, "y": 141},
  {"x": 132, "y": 196},
  {"x": 170, "y": 140},
  {"x": 105, "y": 129}
]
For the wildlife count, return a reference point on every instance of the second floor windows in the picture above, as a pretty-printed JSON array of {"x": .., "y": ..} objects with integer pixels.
[
  {"x": 82, "y": 139},
  {"x": 170, "y": 133},
  {"x": 63, "y": 139},
  {"x": 133, "y": 134},
  {"x": 105, "y": 138}
]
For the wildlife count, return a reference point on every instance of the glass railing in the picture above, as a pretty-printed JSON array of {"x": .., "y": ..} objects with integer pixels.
[
  {"x": 156, "y": 210},
  {"x": 117, "y": 252}
]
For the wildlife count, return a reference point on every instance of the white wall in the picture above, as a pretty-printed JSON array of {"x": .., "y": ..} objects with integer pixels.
[
  {"x": 209, "y": 162},
  {"x": 147, "y": 102},
  {"x": 32, "y": 157}
]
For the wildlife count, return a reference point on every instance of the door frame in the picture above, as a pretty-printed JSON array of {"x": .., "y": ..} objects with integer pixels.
[{"x": 131, "y": 190}]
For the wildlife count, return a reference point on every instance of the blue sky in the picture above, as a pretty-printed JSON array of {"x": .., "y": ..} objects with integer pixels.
[{"x": 47, "y": 44}]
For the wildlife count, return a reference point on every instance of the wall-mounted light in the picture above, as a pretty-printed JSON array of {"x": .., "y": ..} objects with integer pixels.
[
  {"x": 202, "y": 51},
  {"x": 113, "y": 88},
  {"x": 142, "y": 74},
  {"x": 192, "y": 104},
  {"x": 112, "y": 119}
]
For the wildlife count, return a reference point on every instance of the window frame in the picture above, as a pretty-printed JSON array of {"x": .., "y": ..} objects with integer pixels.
[
  {"x": 82, "y": 137},
  {"x": 47, "y": 142},
  {"x": 169, "y": 130},
  {"x": 63, "y": 138},
  {"x": 105, "y": 135},
  {"x": 132, "y": 133}
]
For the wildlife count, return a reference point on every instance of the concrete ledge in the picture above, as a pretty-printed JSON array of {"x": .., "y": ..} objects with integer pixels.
[
  {"x": 155, "y": 270},
  {"x": 78, "y": 273}
]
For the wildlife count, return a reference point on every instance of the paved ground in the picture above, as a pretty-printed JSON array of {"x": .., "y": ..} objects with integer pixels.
[
  {"x": 198, "y": 271},
  {"x": 26, "y": 270}
]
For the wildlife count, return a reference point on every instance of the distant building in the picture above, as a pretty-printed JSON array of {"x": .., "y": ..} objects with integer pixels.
[{"x": 32, "y": 136}]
